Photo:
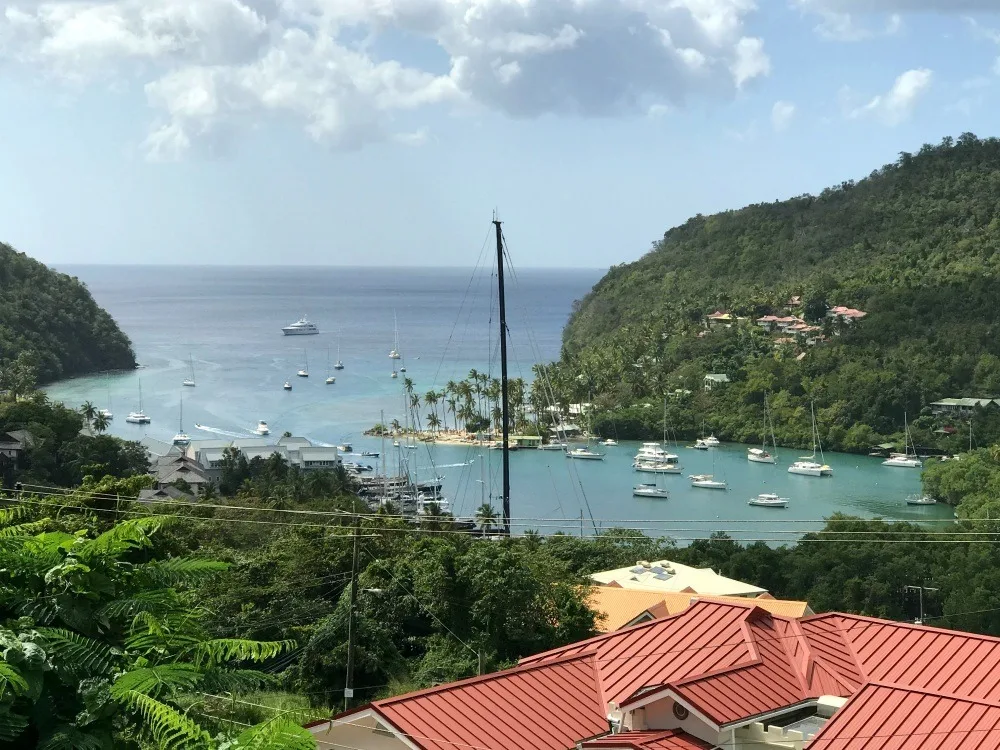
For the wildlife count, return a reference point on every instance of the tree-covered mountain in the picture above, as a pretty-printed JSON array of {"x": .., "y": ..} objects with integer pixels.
[
  {"x": 914, "y": 245},
  {"x": 51, "y": 322}
]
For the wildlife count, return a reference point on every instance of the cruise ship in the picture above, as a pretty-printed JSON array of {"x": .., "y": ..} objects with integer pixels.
[{"x": 300, "y": 328}]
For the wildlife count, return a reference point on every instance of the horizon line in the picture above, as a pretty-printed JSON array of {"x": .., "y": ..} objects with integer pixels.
[{"x": 305, "y": 265}]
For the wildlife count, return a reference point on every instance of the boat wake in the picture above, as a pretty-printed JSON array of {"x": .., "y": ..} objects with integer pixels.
[{"x": 218, "y": 431}]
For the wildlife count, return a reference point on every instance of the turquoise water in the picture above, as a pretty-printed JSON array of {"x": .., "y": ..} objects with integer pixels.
[{"x": 228, "y": 321}]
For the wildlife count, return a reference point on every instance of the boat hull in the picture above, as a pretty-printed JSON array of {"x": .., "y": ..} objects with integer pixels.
[
  {"x": 659, "y": 494},
  {"x": 299, "y": 332},
  {"x": 709, "y": 485},
  {"x": 903, "y": 464},
  {"x": 760, "y": 459},
  {"x": 808, "y": 471},
  {"x": 658, "y": 469},
  {"x": 765, "y": 504},
  {"x": 579, "y": 457}
]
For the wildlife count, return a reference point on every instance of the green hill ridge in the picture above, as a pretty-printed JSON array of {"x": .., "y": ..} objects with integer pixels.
[
  {"x": 50, "y": 323},
  {"x": 914, "y": 245}
]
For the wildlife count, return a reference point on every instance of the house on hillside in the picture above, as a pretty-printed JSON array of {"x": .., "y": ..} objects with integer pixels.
[
  {"x": 715, "y": 380},
  {"x": 846, "y": 314},
  {"x": 667, "y": 576},
  {"x": 962, "y": 407},
  {"x": 717, "y": 675},
  {"x": 719, "y": 318},
  {"x": 767, "y": 322},
  {"x": 793, "y": 303},
  {"x": 14, "y": 445}
]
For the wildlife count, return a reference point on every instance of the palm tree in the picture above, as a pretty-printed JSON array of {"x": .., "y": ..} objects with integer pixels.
[
  {"x": 486, "y": 516},
  {"x": 431, "y": 400},
  {"x": 89, "y": 411},
  {"x": 395, "y": 426},
  {"x": 433, "y": 422},
  {"x": 100, "y": 422},
  {"x": 452, "y": 405}
]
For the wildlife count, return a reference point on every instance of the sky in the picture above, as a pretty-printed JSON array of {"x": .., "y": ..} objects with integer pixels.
[{"x": 386, "y": 132}]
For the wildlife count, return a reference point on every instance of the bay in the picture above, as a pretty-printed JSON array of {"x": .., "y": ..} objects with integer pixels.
[{"x": 228, "y": 320}]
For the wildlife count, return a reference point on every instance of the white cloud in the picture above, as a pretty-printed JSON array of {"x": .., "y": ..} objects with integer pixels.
[
  {"x": 781, "y": 115},
  {"x": 898, "y": 103},
  {"x": 839, "y": 19},
  {"x": 210, "y": 67}
]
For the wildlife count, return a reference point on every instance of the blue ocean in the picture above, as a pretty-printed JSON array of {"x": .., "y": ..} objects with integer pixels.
[{"x": 223, "y": 326}]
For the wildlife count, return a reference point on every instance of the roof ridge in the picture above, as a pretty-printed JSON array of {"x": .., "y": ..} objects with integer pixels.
[
  {"x": 913, "y": 626},
  {"x": 516, "y": 670},
  {"x": 928, "y": 692}
]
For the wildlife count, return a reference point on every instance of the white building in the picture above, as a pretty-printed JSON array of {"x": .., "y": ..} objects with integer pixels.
[{"x": 665, "y": 576}]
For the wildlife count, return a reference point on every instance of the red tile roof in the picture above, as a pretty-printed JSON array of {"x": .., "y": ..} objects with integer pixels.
[
  {"x": 654, "y": 740},
  {"x": 730, "y": 662},
  {"x": 489, "y": 712},
  {"x": 889, "y": 716}
]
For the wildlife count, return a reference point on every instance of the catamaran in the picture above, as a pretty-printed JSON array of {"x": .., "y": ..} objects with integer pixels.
[
  {"x": 807, "y": 465},
  {"x": 181, "y": 438},
  {"x": 138, "y": 417},
  {"x": 904, "y": 460},
  {"x": 761, "y": 455}
]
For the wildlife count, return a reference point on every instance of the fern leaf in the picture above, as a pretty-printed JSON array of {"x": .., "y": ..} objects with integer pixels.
[
  {"x": 11, "y": 725},
  {"x": 178, "y": 570},
  {"x": 227, "y": 649},
  {"x": 156, "y": 680},
  {"x": 125, "y": 535},
  {"x": 11, "y": 681},
  {"x": 156, "y": 603},
  {"x": 237, "y": 681},
  {"x": 169, "y": 728},
  {"x": 77, "y": 653},
  {"x": 278, "y": 734}
]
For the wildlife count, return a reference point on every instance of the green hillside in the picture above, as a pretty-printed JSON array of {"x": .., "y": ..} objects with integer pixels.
[
  {"x": 49, "y": 320},
  {"x": 914, "y": 245}
]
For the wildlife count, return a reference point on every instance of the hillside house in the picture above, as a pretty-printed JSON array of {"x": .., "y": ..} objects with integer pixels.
[
  {"x": 717, "y": 675},
  {"x": 719, "y": 318},
  {"x": 962, "y": 407},
  {"x": 793, "y": 303},
  {"x": 846, "y": 314},
  {"x": 715, "y": 380}
]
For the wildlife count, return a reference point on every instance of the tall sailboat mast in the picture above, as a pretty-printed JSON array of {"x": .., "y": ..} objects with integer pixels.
[{"x": 503, "y": 380}]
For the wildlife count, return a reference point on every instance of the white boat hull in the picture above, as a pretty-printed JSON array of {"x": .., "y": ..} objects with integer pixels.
[
  {"x": 553, "y": 447},
  {"x": 769, "y": 503},
  {"x": 811, "y": 471},
  {"x": 904, "y": 463},
  {"x": 758, "y": 458},
  {"x": 188, "y": 384},
  {"x": 709, "y": 485},
  {"x": 649, "y": 492},
  {"x": 299, "y": 332},
  {"x": 921, "y": 501},
  {"x": 664, "y": 469},
  {"x": 585, "y": 456}
]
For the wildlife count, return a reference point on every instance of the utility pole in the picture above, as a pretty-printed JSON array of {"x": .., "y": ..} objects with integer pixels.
[
  {"x": 349, "y": 686},
  {"x": 920, "y": 590},
  {"x": 503, "y": 380},
  {"x": 581, "y": 523}
]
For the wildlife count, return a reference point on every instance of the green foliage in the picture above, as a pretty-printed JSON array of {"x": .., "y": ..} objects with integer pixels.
[
  {"x": 914, "y": 244},
  {"x": 51, "y": 328}
]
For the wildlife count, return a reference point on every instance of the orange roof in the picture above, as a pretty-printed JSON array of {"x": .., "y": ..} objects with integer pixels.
[
  {"x": 621, "y": 606},
  {"x": 671, "y": 739}
]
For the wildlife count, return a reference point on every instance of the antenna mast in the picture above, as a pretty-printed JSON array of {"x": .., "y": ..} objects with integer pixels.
[{"x": 503, "y": 379}]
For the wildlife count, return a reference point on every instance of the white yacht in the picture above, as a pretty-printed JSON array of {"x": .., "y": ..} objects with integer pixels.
[
  {"x": 711, "y": 441},
  {"x": 262, "y": 428},
  {"x": 287, "y": 386},
  {"x": 106, "y": 413},
  {"x": 330, "y": 379},
  {"x": 920, "y": 500},
  {"x": 609, "y": 442},
  {"x": 394, "y": 352},
  {"x": 649, "y": 490},
  {"x": 905, "y": 460},
  {"x": 304, "y": 372},
  {"x": 759, "y": 456},
  {"x": 394, "y": 375},
  {"x": 584, "y": 454},
  {"x": 653, "y": 452},
  {"x": 181, "y": 438},
  {"x": 707, "y": 481},
  {"x": 340, "y": 363},
  {"x": 807, "y": 466},
  {"x": 189, "y": 382},
  {"x": 137, "y": 417},
  {"x": 301, "y": 327},
  {"x": 700, "y": 445},
  {"x": 646, "y": 466},
  {"x": 553, "y": 447},
  {"x": 768, "y": 500}
]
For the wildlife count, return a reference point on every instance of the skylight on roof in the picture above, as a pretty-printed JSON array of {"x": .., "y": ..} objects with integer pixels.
[
  {"x": 662, "y": 577},
  {"x": 658, "y": 569},
  {"x": 637, "y": 570}
]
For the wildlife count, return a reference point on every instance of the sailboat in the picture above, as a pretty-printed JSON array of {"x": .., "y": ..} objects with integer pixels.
[
  {"x": 650, "y": 490},
  {"x": 708, "y": 481},
  {"x": 760, "y": 455},
  {"x": 585, "y": 453},
  {"x": 330, "y": 379},
  {"x": 189, "y": 382},
  {"x": 807, "y": 465},
  {"x": 904, "y": 460},
  {"x": 107, "y": 413},
  {"x": 138, "y": 417},
  {"x": 340, "y": 364},
  {"x": 394, "y": 352},
  {"x": 304, "y": 372},
  {"x": 181, "y": 438},
  {"x": 653, "y": 458}
]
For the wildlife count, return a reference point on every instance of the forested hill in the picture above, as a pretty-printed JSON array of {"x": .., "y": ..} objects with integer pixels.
[
  {"x": 49, "y": 320},
  {"x": 930, "y": 219},
  {"x": 914, "y": 245}
]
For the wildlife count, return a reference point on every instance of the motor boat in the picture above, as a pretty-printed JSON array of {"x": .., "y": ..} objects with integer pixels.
[
  {"x": 711, "y": 441},
  {"x": 903, "y": 461},
  {"x": 649, "y": 490},
  {"x": 347, "y": 448},
  {"x": 287, "y": 386},
  {"x": 610, "y": 442},
  {"x": 700, "y": 445},
  {"x": 188, "y": 383},
  {"x": 370, "y": 454},
  {"x": 553, "y": 447},
  {"x": 262, "y": 429},
  {"x": 653, "y": 452},
  {"x": 759, "y": 456},
  {"x": 768, "y": 500},
  {"x": 920, "y": 500},
  {"x": 301, "y": 327},
  {"x": 584, "y": 454},
  {"x": 707, "y": 482},
  {"x": 809, "y": 468},
  {"x": 657, "y": 467},
  {"x": 182, "y": 438},
  {"x": 137, "y": 417}
]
